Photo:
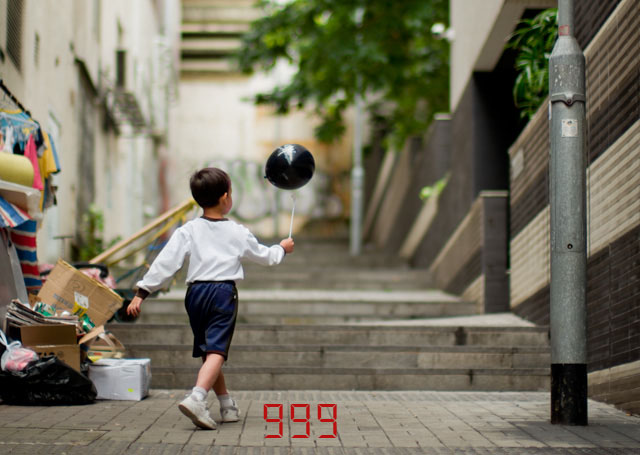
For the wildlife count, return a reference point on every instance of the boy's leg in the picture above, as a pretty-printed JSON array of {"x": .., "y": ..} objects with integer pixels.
[
  {"x": 220, "y": 386},
  {"x": 228, "y": 408},
  {"x": 210, "y": 371},
  {"x": 194, "y": 406}
]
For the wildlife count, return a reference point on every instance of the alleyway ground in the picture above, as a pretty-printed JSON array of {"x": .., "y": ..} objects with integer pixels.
[
  {"x": 368, "y": 422},
  {"x": 404, "y": 422}
]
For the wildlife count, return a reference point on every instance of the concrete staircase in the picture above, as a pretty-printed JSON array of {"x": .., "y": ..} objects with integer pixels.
[{"x": 322, "y": 320}]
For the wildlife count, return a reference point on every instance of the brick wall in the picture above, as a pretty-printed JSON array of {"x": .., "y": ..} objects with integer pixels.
[
  {"x": 613, "y": 180},
  {"x": 473, "y": 261}
]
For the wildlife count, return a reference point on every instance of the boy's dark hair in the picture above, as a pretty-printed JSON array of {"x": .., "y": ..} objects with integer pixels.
[{"x": 208, "y": 185}]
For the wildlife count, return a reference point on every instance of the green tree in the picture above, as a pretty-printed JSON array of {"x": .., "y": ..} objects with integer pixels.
[
  {"x": 533, "y": 42},
  {"x": 383, "y": 50}
]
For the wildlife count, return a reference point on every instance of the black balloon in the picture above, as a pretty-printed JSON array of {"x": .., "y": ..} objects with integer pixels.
[{"x": 290, "y": 167}]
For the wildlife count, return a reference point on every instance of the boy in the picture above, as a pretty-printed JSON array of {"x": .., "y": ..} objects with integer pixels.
[{"x": 214, "y": 246}]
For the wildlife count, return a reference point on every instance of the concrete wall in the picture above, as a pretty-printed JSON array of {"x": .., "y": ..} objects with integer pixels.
[
  {"x": 472, "y": 21},
  {"x": 63, "y": 85},
  {"x": 481, "y": 29}
]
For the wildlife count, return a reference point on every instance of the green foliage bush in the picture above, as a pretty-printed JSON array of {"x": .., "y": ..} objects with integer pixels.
[{"x": 533, "y": 42}]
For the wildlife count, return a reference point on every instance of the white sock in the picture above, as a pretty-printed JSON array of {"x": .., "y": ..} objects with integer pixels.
[
  {"x": 225, "y": 400},
  {"x": 199, "y": 393}
]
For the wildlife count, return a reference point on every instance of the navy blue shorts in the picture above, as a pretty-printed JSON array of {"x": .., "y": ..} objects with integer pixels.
[{"x": 212, "y": 307}]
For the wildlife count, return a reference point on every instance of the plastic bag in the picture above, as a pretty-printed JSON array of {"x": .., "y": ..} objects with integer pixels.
[
  {"x": 47, "y": 381},
  {"x": 15, "y": 357}
]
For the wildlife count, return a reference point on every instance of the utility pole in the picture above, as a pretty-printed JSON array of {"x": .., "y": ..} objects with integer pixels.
[
  {"x": 357, "y": 182},
  {"x": 357, "y": 171},
  {"x": 567, "y": 168}
]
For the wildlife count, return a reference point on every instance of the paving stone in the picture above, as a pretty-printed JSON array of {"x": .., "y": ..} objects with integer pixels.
[{"x": 407, "y": 422}]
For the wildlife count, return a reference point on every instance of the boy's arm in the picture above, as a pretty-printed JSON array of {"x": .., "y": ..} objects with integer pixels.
[
  {"x": 266, "y": 255},
  {"x": 168, "y": 262},
  {"x": 287, "y": 244},
  {"x": 134, "y": 306}
]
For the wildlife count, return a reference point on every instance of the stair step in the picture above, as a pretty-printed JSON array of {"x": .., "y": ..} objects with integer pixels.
[
  {"x": 354, "y": 356},
  {"x": 330, "y": 335},
  {"x": 288, "y": 318},
  {"x": 272, "y": 296},
  {"x": 317, "y": 378},
  {"x": 319, "y": 307},
  {"x": 335, "y": 255},
  {"x": 296, "y": 277},
  {"x": 323, "y": 320}
]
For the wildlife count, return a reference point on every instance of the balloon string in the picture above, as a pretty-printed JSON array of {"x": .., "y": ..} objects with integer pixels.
[{"x": 293, "y": 197}]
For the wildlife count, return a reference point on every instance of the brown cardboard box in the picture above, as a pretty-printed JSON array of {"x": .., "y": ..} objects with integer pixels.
[
  {"x": 32, "y": 335},
  {"x": 53, "y": 339},
  {"x": 67, "y": 353},
  {"x": 65, "y": 285}
]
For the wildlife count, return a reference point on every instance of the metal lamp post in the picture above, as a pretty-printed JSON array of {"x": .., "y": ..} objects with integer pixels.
[
  {"x": 357, "y": 171},
  {"x": 567, "y": 168}
]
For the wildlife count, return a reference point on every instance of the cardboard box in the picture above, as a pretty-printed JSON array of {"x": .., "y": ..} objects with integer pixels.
[
  {"x": 65, "y": 286},
  {"x": 67, "y": 353},
  {"x": 121, "y": 379},
  {"x": 101, "y": 344},
  {"x": 53, "y": 339}
]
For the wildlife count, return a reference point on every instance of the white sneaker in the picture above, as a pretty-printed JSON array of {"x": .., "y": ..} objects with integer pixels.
[
  {"x": 198, "y": 413},
  {"x": 230, "y": 413}
]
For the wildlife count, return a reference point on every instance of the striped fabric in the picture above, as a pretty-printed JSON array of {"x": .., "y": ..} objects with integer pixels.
[
  {"x": 24, "y": 239},
  {"x": 11, "y": 215}
]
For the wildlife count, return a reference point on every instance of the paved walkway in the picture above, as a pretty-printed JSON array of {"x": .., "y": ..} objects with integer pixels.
[{"x": 491, "y": 423}]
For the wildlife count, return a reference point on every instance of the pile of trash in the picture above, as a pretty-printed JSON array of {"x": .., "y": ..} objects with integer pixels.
[{"x": 57, "y": 351}]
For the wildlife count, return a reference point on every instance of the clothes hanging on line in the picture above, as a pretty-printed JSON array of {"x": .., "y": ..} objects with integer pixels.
[
  {"x": 31, "y": 152},
  {"x": 21, "y": 124},
  {"x": 30, "y": 140},
  {"x": 21, "y": 134}
]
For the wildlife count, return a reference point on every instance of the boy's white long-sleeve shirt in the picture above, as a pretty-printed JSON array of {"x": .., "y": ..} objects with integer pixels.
[{"x": 214, "y": 249}]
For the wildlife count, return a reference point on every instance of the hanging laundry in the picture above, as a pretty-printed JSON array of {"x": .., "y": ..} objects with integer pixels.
[
  {"x": 31, "y": 152},
  {"x": 23, "y": 135},
  {"x": 48, "y": 160},
  {"x": 7, "y": 146},
  {"x": 53, "y": 150},
  {"x": 23, "y": 125}
]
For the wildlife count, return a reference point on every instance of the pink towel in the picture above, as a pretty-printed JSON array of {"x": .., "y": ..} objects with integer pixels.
[{"x": 31, "y": 152}]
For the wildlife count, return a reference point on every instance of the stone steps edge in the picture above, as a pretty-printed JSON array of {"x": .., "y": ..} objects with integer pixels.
[
  {"x": 363, "y": 371},
  {"x": 354, "y": 348},
  {"x": 335, "y": 328}
]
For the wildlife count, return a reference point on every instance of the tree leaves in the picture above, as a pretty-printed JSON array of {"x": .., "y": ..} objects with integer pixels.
[
  {"x": 533, "y": 41},
  {"x": 388, "y": 55}
]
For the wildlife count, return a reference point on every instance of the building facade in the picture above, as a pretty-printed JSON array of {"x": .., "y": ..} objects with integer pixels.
[
  {"x": 485, "y": 235},
  {"x": 215, "y": 122},
  {"x": 99, "y": 77}
]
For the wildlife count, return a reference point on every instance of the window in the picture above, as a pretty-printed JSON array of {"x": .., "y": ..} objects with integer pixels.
[
  {"x": 121, "y": 70},
  {"x": 36, "y": 50},
  {"x": 14, "y": 31}
]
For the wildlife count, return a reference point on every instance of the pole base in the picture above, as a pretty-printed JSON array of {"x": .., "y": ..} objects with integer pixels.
[{"x": 569, "y": 394}]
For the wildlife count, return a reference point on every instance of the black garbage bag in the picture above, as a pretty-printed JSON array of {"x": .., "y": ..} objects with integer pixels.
[{"x": 46, "y": 381}]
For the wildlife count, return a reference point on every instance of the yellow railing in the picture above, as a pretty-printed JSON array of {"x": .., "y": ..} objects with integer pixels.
[{"x": 148, "y": 234}]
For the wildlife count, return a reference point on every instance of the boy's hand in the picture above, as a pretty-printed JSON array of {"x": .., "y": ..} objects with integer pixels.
[
  {"x": 287, "y": 244},
  {"x": 134, "y": 306}
]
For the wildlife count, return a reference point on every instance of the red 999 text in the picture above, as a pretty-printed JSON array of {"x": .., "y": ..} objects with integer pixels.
[{"x": 303, "y": 416}]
